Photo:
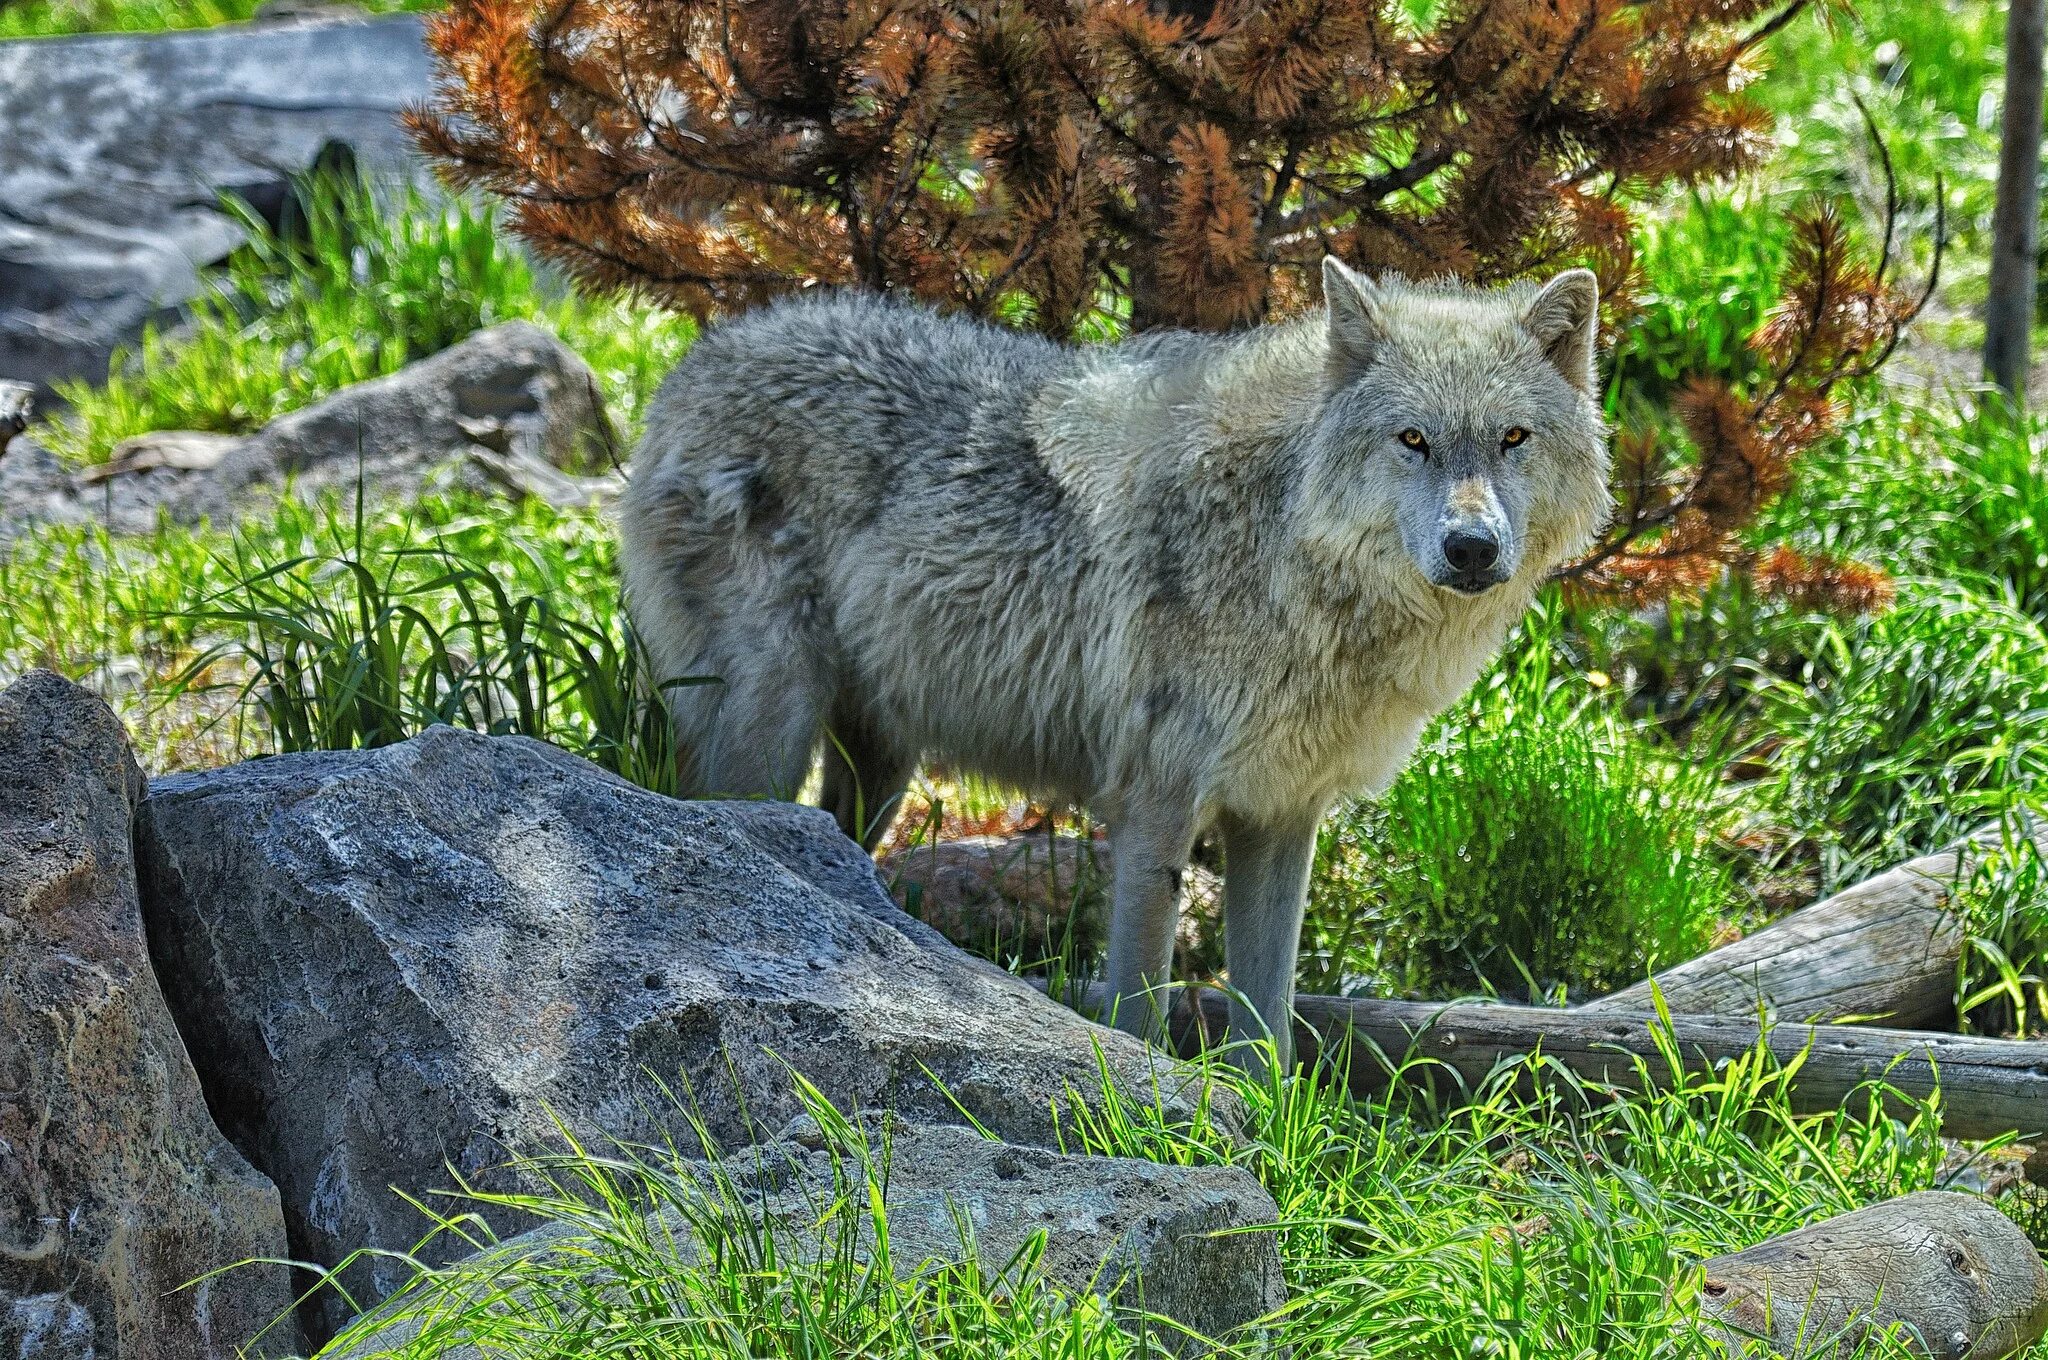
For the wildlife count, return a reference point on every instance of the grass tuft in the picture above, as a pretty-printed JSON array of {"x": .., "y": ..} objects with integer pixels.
[{"x": 1534, "y": 848}]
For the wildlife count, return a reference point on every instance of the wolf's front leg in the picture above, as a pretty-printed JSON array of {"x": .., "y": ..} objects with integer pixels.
[
  {"x": 1265, "y": 889},
  {"x": 1150, "y": 845}
]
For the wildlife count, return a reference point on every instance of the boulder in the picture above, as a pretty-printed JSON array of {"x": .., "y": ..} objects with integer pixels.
[
  {"x": 394, "y": 962},
  {"x": 116, "y": 1189},
  {"x": 1954, "y": 1275},
  {"x": 509, "y": 410},
  {"x": 1183, "y": 1243},
  {"x": 114, "y": 149}
]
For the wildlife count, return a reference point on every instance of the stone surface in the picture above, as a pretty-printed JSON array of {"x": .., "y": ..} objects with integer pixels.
[
  {"x": 114, "y": 149},
  {"x": 396, "y": 959},
  {"x": 1958, "y": 1274},
  {"x": 1180, "y": 1242},
  {"x": 1164, "y": 1239},
  {"x": 510, "y": 409},
  {"x": 116, "y": 1189}
]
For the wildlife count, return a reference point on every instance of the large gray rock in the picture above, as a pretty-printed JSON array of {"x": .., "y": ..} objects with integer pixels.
[
  {"x": 114, "y": 149},
  {"x": 511, "y": 410},
  {"x": 396, "y": 959},
  {"x": 1184, "y": 1243},
  {"x": 116, "y": 1189},
  {"x": 507, "y": 398}
]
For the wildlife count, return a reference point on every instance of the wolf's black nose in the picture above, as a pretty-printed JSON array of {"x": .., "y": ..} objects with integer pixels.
[{"x": 1468, "y": 553}]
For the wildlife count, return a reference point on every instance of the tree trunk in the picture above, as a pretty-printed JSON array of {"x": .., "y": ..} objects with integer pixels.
[
  {"x": 2009, "y": 311},
  {"x": 1886, "y": 949}
]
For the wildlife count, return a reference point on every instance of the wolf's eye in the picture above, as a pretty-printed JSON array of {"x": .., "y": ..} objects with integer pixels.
[
  {"x": 1515, "y": 435},
  {"x": 1414, "y": 440}
]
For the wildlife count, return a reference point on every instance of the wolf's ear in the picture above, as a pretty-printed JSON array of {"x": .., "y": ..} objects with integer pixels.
[
  {"x": 1565, "y": 319},
  {"x": 1355, "y": 330}
]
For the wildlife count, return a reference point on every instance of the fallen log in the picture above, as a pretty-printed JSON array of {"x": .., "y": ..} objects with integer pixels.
[
  {"x": 1886, "y": 948},
  {"x": 1950, "y": 1272},
  {"x": 1988, "y": 1087}
]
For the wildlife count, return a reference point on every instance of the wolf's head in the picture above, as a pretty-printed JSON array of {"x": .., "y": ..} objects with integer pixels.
[{"x": 1465, "y": 419}]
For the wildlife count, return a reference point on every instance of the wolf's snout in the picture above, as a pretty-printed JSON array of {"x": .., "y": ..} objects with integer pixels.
[{"x": 1473, "y": 556}]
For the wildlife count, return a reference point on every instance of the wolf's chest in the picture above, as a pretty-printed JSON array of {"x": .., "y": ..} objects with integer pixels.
[{"x": 1346, "y": 722}]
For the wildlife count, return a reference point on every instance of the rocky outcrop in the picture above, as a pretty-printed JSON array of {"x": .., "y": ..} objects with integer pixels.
[
  {"x": 510, "y": 411},
  {"x": 393, "y": 962},
  {"x": 116, "y": 1189},
  {"x": 114, "y": 149},
  {"x": 1182, "y": 1243}
]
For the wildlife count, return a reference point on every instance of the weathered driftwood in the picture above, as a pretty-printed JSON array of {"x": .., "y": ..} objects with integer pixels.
[
  {"x": 1988, "y": 1086},
  {"x": 1886, "y": 949},
  {"x": 1953, "y": 1274}
]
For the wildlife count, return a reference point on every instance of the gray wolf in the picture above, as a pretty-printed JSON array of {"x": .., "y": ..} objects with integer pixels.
[{"x": 1195, "y": 582}]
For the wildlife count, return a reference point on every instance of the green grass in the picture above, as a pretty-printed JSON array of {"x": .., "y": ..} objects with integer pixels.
[
  {"x": 338, "y": 625},
  {"x": 1908, "y": 729},
  {"x": 1528, "y": 1221},
  {"x": 49, "y": 18},
  {"x": 1534, "y": 847},
  {"x": 2002, "y": 978},
  {"x": 356, "y": 288}
]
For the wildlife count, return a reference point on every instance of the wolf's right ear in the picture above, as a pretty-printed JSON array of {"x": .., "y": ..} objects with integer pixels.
[{"x": 1355, "y": 331}]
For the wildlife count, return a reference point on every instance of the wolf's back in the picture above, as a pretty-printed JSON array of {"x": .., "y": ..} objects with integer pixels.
[{"x": 845, "y": 386}]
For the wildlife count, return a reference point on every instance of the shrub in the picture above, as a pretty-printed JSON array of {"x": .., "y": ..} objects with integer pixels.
[{"x": 1533, "y": 847}]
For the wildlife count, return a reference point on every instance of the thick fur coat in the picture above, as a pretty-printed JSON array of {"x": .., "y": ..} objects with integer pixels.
[{"x": 1194, "y": 582}]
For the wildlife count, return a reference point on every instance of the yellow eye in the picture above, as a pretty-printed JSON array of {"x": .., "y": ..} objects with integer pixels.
[
  {"x": 1515, "y": 435},
  {"x": 1414, "y": 440}
]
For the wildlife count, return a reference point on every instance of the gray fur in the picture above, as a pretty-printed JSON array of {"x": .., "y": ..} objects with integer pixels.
[{"x": 1194, "y": 582}]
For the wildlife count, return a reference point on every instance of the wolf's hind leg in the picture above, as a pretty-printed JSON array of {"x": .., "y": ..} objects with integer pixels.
[
  {"x": 864, "y": 778},
  {"x": 1150, "y": 846},
  {"x": 760, "y": 740},
  {"x": 1265, "y": 890}
]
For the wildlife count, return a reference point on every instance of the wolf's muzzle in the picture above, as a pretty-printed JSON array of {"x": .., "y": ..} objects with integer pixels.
[{"x": 1474, "y": 559}]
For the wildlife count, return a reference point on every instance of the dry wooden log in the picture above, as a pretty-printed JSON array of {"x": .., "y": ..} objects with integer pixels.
[
  {"x": 1885, "y": 949},
  {"x": 1953, "y": 1274},
  {"x": 1988, "y": 1087}
]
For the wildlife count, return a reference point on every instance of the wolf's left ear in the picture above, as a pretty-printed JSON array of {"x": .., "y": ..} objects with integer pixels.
[{"x": 1565, "y": 319}]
